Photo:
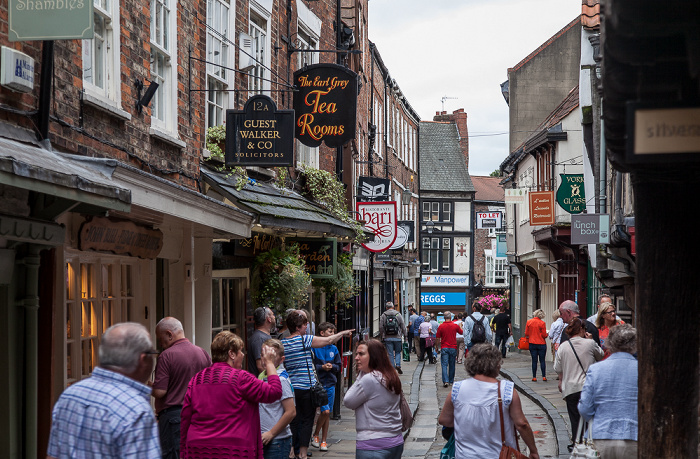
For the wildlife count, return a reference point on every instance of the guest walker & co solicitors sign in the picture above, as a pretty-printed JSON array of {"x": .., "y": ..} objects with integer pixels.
[
  {"x": 259, "y": 135},
  {"x": 325, "y": 105}
]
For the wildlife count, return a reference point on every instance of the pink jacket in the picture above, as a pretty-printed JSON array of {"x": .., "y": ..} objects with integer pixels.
[{"x": 220, "y": 417}]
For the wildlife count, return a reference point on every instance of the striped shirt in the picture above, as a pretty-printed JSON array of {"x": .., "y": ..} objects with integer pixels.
[
  {"x": 107, "y": 415},
  {"x": 298, "y": 361}
]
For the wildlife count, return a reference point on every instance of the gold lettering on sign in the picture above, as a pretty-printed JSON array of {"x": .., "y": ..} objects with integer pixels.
[{"x": 120, "y": 237}]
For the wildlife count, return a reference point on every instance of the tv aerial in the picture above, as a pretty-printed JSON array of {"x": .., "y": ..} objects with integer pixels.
[{"x": 444, "y": 98}]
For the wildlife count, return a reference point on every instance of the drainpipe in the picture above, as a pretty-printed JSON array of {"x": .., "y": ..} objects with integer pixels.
[{"x": 602, "y": 168}]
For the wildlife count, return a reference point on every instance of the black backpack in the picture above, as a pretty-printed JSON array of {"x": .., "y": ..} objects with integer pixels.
[
  {"x": 391, "y": 324},
  {"x": 478, "y": 331}
]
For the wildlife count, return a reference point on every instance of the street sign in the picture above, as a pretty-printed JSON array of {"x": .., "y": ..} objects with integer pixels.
[
  {"x": 50, "y": 20},
  {"x": 320, "y": 255},
  {"x": 590, "y": 229},
  {"x": 541, "y": 208}
]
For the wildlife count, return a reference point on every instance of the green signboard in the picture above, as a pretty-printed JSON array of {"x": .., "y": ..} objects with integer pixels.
[
  {"x": 321, "y": 256},
  {"x": 571, "y": 195},
  {"x": 50, "y": 20}
]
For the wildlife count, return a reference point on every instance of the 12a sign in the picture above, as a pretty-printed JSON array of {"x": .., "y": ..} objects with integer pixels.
[
  {"x": 325, "y": 105},
  {"x": 259, "y": 135},
  {"x": 541, "y": 208},
  {"x": 489, "y": 220},
  {"x": 379, "y": 218},
  {"x": 571, "y": 195}
]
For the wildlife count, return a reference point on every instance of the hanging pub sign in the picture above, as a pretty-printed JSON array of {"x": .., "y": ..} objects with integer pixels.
[
  {"x": 321, "y": 256},
  {"x": 372, "y": 189},
  {"x": 571, "y": 195},
  {"x": 410, "y": 227},
  {"x": 325, "y": 105},
  {"x": 541, "y": 208},
  {"x": 379, "y": 218},
  {"x": 259, "y": 135}
]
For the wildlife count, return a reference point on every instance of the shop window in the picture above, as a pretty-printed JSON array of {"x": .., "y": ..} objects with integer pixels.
[{"x": 227, "y": 302}]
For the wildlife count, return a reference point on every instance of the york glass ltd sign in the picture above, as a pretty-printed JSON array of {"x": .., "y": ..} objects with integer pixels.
[
  {"x": 259, "y": 135},
  {"x": 571, "y": 195},
  {"x": 379, "y": 218},
  {"x": 50, "y": 20},
  {"x": 325, "y": 105}
]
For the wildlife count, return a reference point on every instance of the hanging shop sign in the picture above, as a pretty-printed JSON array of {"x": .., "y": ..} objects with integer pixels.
[
  {"x": 571, "y": 195},
  {"x": 121, "y": 238},
  {"x": 515, "y": 195},
  {"x": 259, "y": 135},
  {"x": 401, "y": 238},
  {"x": 541, "y": 208},
  {"x": 662, "y": 134},
  {"x": 50, "y": 20},
  {"x": 590, "y": 229},
  {"x": 321, "y": 256},
  {"x": 444, "y": 280},
  {"x": 325, "y": 105},
  {"x": 486, "y": 220},
  {"x": 379, "y": 218},
  {"x": 372, "y": 189},
  {"x": 410, "y": 227}
]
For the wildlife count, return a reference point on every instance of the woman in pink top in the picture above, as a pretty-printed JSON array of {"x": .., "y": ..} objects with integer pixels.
[{"x": 220, "y": 417}]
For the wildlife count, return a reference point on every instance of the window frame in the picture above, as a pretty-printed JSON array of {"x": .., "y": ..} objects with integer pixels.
[
  {"x": 110, "y": 93},
  {"x": 262, "y": 65},
  {"x": 165, "y": 44},
  {"x": 218, "y": 79}
]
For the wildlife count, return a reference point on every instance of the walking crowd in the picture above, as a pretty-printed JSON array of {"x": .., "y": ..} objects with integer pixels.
[{"x": 208, "y": 406}]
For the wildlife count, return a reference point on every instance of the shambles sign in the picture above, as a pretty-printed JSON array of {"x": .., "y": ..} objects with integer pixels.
[
  {"x": 325, "y": 105},
  {"x": 120, "y": 237},
  {"x": 321, "y": 256},
  {"x": 50, "y": 20},
  {"x": 259, "y": 135}
]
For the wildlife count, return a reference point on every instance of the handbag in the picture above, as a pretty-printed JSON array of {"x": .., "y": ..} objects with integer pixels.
[
  {"x": 448, "y": 451},
  {"x": 319, "y": 396},
  {"x": 430, "y": 341},
  {"x": 523, "y": 343},
  {"x": 584, "y": 447},
  {"x": 506, "y": 451},
  {"x": 406, "y": 415}
]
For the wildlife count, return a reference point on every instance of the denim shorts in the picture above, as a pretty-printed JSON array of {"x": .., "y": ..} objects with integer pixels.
[{"x": 330, "y": 390}]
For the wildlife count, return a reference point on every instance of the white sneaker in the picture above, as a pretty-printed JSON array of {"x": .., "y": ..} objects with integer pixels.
[
  {"x": 315, "y": 443},
  {"x": 324, "y": 446}
]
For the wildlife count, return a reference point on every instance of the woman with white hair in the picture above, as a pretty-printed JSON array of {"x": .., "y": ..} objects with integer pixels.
[
  {"x": 536, "y": 333},
  {"x": 609, "y": 396}
]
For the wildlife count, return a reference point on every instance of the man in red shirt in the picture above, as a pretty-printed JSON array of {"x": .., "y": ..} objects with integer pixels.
[{"x": 447, "y": 337}]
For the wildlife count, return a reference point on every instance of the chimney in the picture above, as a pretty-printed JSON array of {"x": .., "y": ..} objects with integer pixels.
[{"x": 459, "y": 117}]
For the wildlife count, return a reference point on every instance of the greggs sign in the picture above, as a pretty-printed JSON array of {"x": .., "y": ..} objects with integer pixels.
[
  {"x": 380, "y": 218},
  {"x": 325, "y": 105}
]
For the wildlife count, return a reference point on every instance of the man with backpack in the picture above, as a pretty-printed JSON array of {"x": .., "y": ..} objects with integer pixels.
[
  {"x": 476, "y": 328},
  {"x": 391, "y": 330}
]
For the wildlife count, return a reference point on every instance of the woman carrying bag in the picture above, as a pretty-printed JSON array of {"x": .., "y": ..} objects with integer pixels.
[
  {"x": 426, "y": 342},
  {"x": 536, "y": 333}
]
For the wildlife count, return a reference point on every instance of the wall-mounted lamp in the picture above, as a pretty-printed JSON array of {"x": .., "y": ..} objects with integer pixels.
[
  {"x": 430, "y": 226},
  {"x": 406, "y": 196},
  {"x": 143, "y": 101}
]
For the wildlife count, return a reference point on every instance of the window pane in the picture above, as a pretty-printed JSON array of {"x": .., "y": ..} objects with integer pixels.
[
  {"x": 436, "y": 211},
  {"x": 446, "y": 211},
  {"x": 215, "y": 304}
]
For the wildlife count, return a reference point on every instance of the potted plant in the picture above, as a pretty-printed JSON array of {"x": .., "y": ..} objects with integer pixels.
[{"x": 279, "y": 279}]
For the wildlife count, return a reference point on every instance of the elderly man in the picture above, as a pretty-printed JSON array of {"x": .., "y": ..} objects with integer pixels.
[
  {"x": 108, "y": 415},
  {"x": 264, "y": 320},
  {"x": 391, "y": 329},
  {"x": 569, "y": 310},
  {"x": 177, "y": 364}
]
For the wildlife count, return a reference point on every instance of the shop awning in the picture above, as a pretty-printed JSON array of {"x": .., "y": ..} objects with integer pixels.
[
  {"x": 285, "y": 212},
  {"x": 68, "y": 184}
]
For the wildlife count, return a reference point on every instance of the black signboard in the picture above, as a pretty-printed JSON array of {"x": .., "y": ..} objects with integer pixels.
[
  {"x": 259, "y": 135},
  {"x": 410, "y": 227},
  {"x": 320, "y": 254},
  {"x": 372, "y": 189},
  {"x": 325, "y": 105}
]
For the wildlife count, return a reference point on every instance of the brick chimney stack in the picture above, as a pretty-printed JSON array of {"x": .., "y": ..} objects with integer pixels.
[{"x": 459, "y": 117}]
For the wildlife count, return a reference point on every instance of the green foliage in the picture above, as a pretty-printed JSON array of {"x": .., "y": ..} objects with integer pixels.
[
  {"x": 280, "y": 280},
  {"x": 281, "y": 175},
  {"x": 216, "y": 135},
  {"x": 496, "y": 173},
  {"x": 343, "y": 287},
  {"x": 328, "y": 191}
]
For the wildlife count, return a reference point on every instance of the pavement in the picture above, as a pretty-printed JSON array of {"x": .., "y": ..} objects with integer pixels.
[{"x": 423, "y": 389}]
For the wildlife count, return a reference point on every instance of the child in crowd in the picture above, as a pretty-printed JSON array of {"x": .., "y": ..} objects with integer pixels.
[
  {"x": 327, "y": 363},
  {"x": 276, "y": 416}
]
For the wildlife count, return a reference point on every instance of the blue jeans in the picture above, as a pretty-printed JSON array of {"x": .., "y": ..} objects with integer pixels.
[
  {"x": 169, "y": 432},
  {"x": 393, "y": 347},
  {"x": 391, "y": 453},
  {"x": 278, "y": 448},
  {"x": 538, "y": 350},
  {"x": 501, "y": 339},
  {"x": 447, "y": 359}
]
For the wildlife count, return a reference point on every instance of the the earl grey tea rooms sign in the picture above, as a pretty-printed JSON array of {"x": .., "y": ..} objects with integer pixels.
[
  {"x": 259, "y": 135},
  {"x": 50, "y": 20}
]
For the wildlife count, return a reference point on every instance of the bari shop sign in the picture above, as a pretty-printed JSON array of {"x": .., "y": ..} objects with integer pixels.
[
  {"x": 380, "y": 218},
  {"x": 260, "y": 135},
  {"x": 120, "y": 237},
  {"x": 325, "y": 105}
]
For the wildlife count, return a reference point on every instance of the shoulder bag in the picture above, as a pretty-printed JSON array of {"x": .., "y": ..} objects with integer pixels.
[
  {"x": 579, "y": 360},
  {"x": 448, "y": 451},
  {"x": 319, "y": 396},
  {"x": 506, "y": 451},
  {"x": 406, "y": 415},
  {"x": 584, "y": 447},
  {"x": 523, "y": 343}
]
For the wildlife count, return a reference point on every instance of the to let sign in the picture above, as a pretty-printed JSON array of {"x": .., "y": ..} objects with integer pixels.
[
  {"x": 259, "y": 135},
  {"x": 379, "y": 218},
  {"x": 489, "y": 220},
  {"x": 325, "y": 105},
  {"x": 590, "y": 229},
  {"x": 50, "y": 20},
  {"x": 541, "y": 208},
  {"x": 320, "y": 256}
]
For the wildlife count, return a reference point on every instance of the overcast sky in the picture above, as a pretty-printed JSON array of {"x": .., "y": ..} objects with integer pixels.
[{"x": 463, "y": 49}]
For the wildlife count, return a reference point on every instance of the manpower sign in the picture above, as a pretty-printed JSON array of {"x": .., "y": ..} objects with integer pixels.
[{"x": 444, "y": 280}]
